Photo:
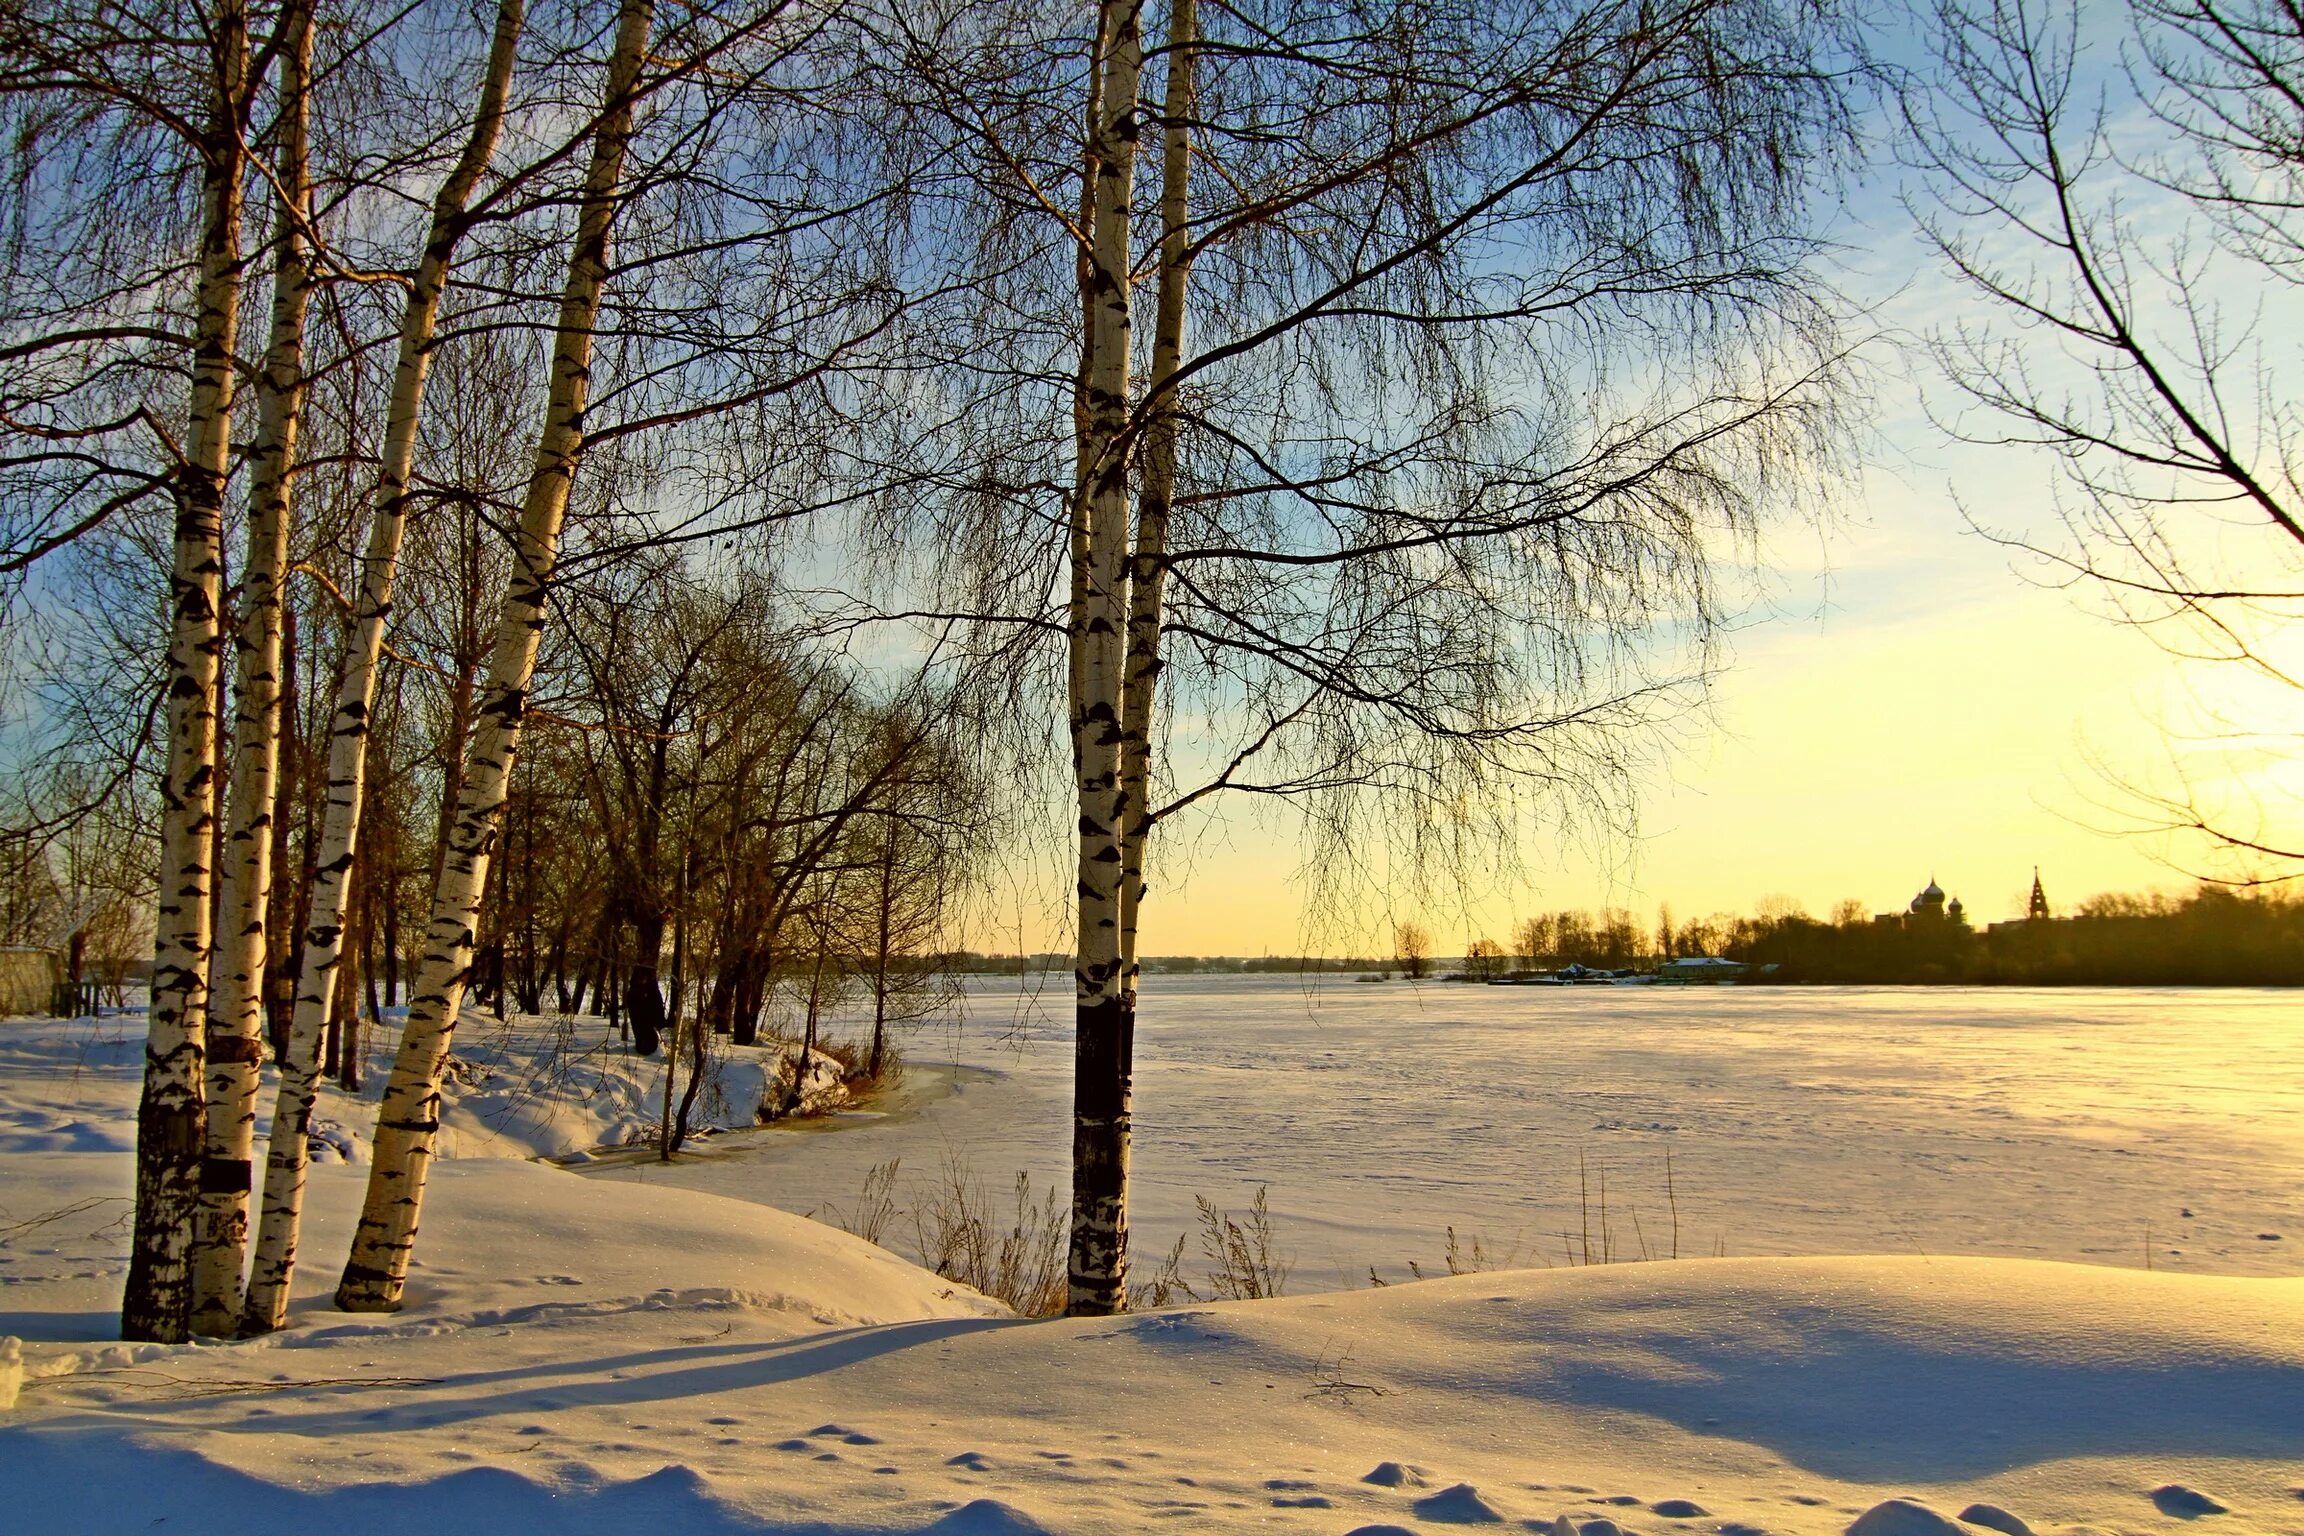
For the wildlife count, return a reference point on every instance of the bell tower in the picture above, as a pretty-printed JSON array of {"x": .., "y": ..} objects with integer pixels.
[{"x": 2036, "y": 911}]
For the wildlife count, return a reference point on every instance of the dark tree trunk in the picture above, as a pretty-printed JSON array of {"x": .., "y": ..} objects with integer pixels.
[
  {"x": 720, "y": 1002},
  {"x": 880, "y": 957},
  {"x": 344, "y": 1017},
  {"x": 751, "y": 996},
  {"x": 643, "y": 1001},
  {"x": 285, "y": 959},
  {"x": 392, "y": 938},
  {"x": 1103, "y": 1062}
]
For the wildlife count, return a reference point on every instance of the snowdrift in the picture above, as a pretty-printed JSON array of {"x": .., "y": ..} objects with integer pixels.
[{"x": 580, "y": 1357}]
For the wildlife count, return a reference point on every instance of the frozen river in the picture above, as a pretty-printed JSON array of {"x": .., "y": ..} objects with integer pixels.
[{"x": 2097, "y": 1125}]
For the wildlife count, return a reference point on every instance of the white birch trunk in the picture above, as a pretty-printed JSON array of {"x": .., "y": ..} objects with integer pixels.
[
  {"x": 1105, "y": 1026},
  {"x": 1148, "y": 566},
  {"x": 1083, "y": 453},
  {"x": 287, "y": 1155},
  {"x": 170, "y": 1126},
  {"x": 409, "y": 1125},
  {"x": 236, "y": 993}
]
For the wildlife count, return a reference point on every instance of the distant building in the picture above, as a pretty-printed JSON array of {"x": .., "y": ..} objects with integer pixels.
[
  {"x": 1928, "y": 909},
  {"x": 2036, "y": 912}
]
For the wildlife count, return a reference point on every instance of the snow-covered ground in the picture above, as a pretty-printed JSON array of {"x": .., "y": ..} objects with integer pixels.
[
  {"x": 2058, "y": 1124},
  {"x": 580, "y": 1354}
]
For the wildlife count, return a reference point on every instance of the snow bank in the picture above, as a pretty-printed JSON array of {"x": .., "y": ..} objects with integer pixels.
[
  {"x": 792, "y": 1091},
  {"x": 526, "y": 1087},
  {"x": 562, "y": 1088},
  {"x": 631, "y": 1364},
  {"x": 503, "y": 1242}
]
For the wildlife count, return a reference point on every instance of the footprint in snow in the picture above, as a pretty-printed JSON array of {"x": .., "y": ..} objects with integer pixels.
[
  {"x": 1288, "y": 1484},
  {"x": 1993, "y": 1518},
  {"x": 2187, "y": 1503},
  {"x": 1305, "y": 1501},
  {"x": 793, "y": 1445},
  {"x": 1680, "y": 1509},
  {"x": 1391, "y": 1474},
  {"x": 1905, "y": 1517},
  {"x": 1458, "y": 1504},
  {"x": 1379, "y": 1530},
  {"x": 972, "y": 1461},
  {"x": 986, "y": 1517}
]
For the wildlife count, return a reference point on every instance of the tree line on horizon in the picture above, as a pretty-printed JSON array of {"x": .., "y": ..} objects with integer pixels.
[{"x": 2213, "y": 935}]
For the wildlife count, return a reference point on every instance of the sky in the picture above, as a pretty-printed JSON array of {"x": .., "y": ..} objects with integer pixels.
[
  {"x": 1905, "y": 701},
  {"x": 1902, "y": 703},
  {"x": 1915, "y": 710}
]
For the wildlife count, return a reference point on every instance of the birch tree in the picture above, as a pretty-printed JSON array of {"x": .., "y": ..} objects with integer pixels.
[
  {"x": 170, "y": 1123},
  {"x": 1503, "y": 321},
  {"x": 236, "y": 1003},
  {"x": 1096, "y": 630},
  {"x": 266, "y": 1302},
  {"x": 408, "y": 1125}
]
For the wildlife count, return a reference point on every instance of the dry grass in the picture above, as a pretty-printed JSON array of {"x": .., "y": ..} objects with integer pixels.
[
  {"x": 1017, "y": 1251},
  {"x": 1244, "y": 1263},
  {"x": 1595, "y": 1239},
  {"x": 876, "y": 1209},
  {"x": 892, "y": 1068},
  {"x": 850, "y": 1057},
  {"x": 1015, "y": 1255}
]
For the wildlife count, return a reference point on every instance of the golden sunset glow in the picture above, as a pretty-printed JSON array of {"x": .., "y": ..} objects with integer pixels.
[{"x": 1913, "y": 708}]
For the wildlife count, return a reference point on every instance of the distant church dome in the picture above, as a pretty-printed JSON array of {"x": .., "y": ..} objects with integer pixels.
[{"x": 1930, "y": 900}]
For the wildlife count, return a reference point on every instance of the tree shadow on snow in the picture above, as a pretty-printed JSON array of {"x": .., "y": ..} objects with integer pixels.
[{"x": 642, "y": 1376}]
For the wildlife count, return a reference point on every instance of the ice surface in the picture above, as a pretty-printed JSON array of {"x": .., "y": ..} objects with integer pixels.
[{"x": 2073, "y": 1124}]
